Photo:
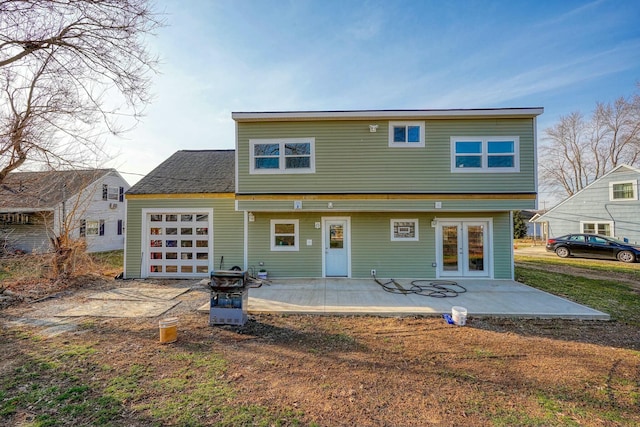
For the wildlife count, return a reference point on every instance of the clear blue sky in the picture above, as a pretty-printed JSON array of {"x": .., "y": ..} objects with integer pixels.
[{"x": 221, "y": 56}]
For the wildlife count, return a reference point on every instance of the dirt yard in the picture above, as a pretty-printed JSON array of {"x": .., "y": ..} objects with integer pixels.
[{"x": 341, "y": 371}]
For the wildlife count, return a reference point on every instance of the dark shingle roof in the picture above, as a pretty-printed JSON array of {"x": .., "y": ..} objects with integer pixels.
[
  {"x": 44, "y": 190},
  {"x": 191, "y": 171}
]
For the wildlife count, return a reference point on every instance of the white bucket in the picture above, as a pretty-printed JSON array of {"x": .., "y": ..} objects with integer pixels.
[{"x": 459, "y": 315}]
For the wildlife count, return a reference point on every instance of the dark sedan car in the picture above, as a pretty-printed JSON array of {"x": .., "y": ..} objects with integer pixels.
[{"x": 593, "y": 246}]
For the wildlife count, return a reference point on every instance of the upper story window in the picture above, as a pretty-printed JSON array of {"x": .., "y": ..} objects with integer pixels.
[
  {"x": 110, "y": 192},
  {"x": 406, "y": 134},
  {"x": 485, "y": 154},
  {"x": 288, "y": 155},
  {"x": 621, "y": 191}
]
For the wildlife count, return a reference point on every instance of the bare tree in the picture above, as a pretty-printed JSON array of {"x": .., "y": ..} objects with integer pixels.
[
  {"x": 70, "y": 71},
  {"x": 577, "y": 151}
]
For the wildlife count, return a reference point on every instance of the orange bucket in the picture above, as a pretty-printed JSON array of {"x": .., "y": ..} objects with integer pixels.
[{"x": 168, "y": 330}]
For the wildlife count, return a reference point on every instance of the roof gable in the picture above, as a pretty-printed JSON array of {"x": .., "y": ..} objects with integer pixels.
[
  {"x": 595, "y": 183},
  {"x": 45, "y": 190},
  {"x": 191, "y": 171}
]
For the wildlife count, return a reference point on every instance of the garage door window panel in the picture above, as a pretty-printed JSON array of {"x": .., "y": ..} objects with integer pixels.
[{"x": 174, "y": 250}]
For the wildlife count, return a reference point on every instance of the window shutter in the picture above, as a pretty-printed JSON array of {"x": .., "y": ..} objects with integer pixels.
[
  {"x": 83, "y": 228},
  {"x": 119, "y": 227},
  {"x": 121, "y": 195},
  {"x": 102, "y": 227}
]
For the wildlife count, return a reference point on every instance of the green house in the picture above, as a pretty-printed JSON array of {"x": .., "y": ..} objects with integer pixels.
[{"x": 399, "y": 193}]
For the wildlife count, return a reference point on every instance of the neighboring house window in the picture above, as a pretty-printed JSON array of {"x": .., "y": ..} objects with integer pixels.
[
  {"x": 289, "y": 155},
  {"x": 406, "y": 134},
  {"x": 91, "y": 228},
  {"x": 485, "y": 154},
  {"x": 112, "y": 193},
  {"x": 284, "y": 234},
  {"x": 604, "y": 228},
  {"x": 15, "y": 218},
  {"x": 120, "y": 227},
  {"x": 620, "y": 191},
  {"x": 404, "y": 229}
]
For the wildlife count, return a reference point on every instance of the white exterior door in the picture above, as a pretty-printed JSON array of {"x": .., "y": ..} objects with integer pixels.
[
  {"x": 463, "y": 248},
  {"x": 336, "y": 247},
  {"x": 178, "y": 244}
]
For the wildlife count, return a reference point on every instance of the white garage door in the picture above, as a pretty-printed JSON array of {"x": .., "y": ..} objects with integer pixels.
[{"x": 179, "y": 244}]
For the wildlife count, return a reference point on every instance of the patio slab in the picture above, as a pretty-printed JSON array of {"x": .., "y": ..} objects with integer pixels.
[{"x": 484, "y": 298}]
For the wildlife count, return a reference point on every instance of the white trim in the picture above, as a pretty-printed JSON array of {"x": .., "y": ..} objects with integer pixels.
[
  {"x": 282, "y": 169},
  {"x": 324, "y": 221},
  {"x": 296, "y": 234},
  {"x": 144, "y": 261},
  {"x": 406, "y": 124},
  {"x": 484, "y": 154},
  {"x": 596, "y": 224},
  {"x": 535, "y": 161},
  {"x": 236, "y": 169},
  {"x": 245, "y": 243},
  {"x": 490, "y": 253},
  {"x": 416, "y": 236},
  {"x": 388, "y": 114},
  {"x": 634, "y": 184}
]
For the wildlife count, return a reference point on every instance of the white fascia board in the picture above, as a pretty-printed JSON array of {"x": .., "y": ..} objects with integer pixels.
[{"x": 385, "y": 114}]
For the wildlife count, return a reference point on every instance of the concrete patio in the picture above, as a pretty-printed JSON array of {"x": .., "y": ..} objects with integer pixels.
[{"x": 489, "y": 298}]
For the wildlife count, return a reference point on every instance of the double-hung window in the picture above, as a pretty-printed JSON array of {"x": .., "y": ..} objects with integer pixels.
[
  {"x": 604, "y": 228},
  {"x": 623, "y": 191},
  {"x": 91, "y": 228},
  {"x": 288, "y": 155},
  {"x": 485, "y": 154},
  {"x": 406, "y": 134},
  {"x": 284, "y": 234}
]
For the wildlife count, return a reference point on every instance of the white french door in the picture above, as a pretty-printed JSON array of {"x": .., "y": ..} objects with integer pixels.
[{"x": 463, "y": 248}]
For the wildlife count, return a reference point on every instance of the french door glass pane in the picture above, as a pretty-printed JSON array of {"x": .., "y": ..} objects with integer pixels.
[
  {"x": 475, "y": 236},
  {"x": 450, "y": 248}
]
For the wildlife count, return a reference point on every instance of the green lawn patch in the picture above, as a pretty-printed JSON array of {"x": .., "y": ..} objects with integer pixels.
[{"x": 619, "y": 300}]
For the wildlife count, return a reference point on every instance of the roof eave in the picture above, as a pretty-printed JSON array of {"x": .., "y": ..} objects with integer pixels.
[{"x": 387, "y": 114}]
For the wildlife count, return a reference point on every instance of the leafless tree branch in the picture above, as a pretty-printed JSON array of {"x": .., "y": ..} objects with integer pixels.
[{"x": 70, "y": 70}]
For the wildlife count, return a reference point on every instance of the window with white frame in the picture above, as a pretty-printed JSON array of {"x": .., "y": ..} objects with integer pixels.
[
  {"x": 622, "y": 191},
  {"x": 485, "y": 154},
  {"x": 605, "y": 228},
  {"x": 406, "y": 134},
  {"x": 404, "y": 229},
  {"x": 284, "y": 234},
  {"x": 91, "y": 228},
  {"x": 110, "y": 192},
  {"x": 288, "y": 155}
]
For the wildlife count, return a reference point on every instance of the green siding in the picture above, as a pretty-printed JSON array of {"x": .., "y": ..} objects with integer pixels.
[
  {"x": 464, "y": 205},
  {"x": 228, "y": 229},
  {"x": 502, "y": 246},
  {"x": 350, "y": 159},
  {"x": 371, "y": 245},
  {"x": 306, "y": 262}
]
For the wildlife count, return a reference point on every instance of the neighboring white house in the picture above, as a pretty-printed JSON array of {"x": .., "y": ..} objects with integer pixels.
[
  {"x": 35, "y": 206},
  {"x": 608, "y": 206}
]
